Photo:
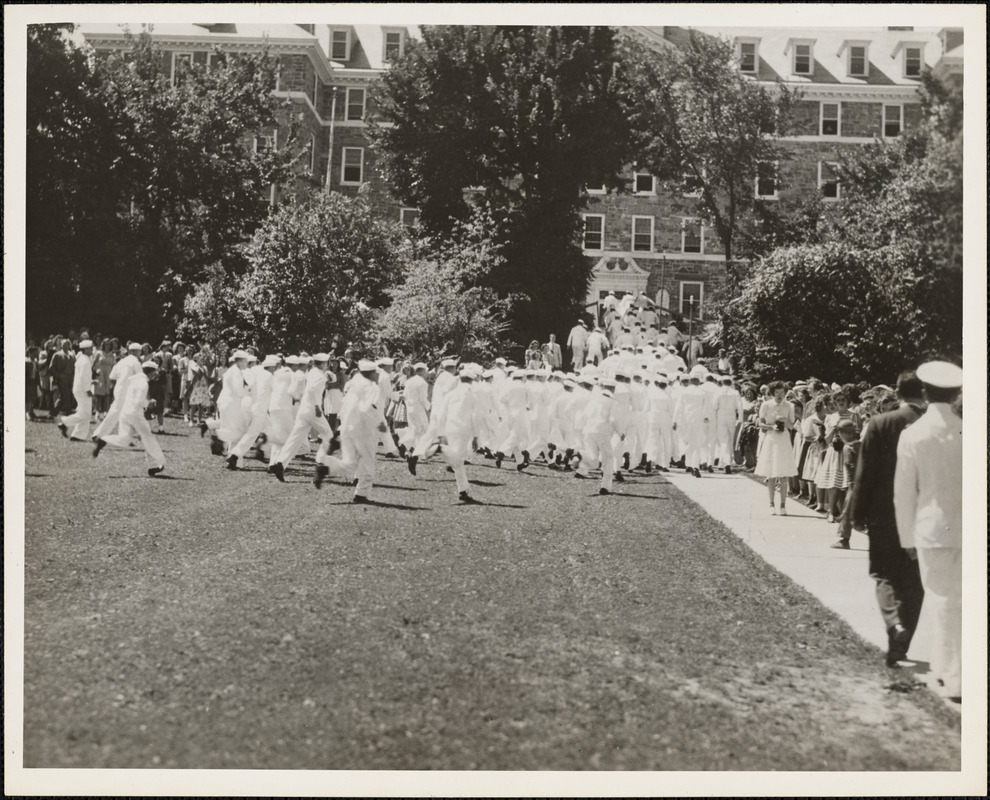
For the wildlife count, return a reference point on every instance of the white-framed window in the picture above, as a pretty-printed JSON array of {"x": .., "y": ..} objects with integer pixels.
[
  {"x": 893, "y": 121},
  {"x": 642, "y": 234},
  {"x": 355, "y": 103},
  {"x": 214, "y": 58},
  {"x": 181, "y": 64},
  {"x": 913, "y": 61},
  {"x": 594, "y": 232},
  {"x": 828, "y": 181},
  {"x": 596, "y": 189},
  {"x": 766, "y": 180},
  {"x": 692, "y": 235},
  {"x": 340, "y": 44},
  {"x": 352, "y": 166},
  {"x": 692, "y": 299},
  {"x": 802, "y": 58},
  {"x": 644, "y": 183},
  {"x": 409, "y": 217},
  {"x": 830, "y": 119},
  {"x": 748, "y": 53},
  {"x": 265, "y": 142},
  {"x": 857, "y": 61},
  {"x": 394, "y": 44}
]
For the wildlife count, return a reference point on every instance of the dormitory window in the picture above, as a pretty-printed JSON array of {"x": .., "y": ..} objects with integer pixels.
[
  {"x": 393, "y": 45},
  {"x": 352, "y": 166},
  {"x": 747, "y": 57},
  {"x": 642, "y": 234},
  {"x": 830, "y": 119},
  {"x": 692, "y": 236},
  {"x": 181, "y": 64},
  {"x": 802, "y": 59},
  {"x": 643, "y": 183},
  {"x": 355, "y": 104},
  {"x": 893, "y": 121},
  {"x": 828, "y": 181},
  {"x": 766, "y": 181},
  {"x": 692, "y": 296},
  {"x": 594, "y": 229},
  {"x": 912, "y": 62},
  {"x": 340, "y": 44},
  {"x": 409, "y": 217},
  {"x": 857, "y": 61}
]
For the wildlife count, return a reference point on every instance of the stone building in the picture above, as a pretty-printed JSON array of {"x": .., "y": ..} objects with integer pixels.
[{"x": 858, "y": 85}]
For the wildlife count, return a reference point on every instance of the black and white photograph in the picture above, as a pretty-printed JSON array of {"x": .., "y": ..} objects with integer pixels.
[{"x": 495, "y": 400}]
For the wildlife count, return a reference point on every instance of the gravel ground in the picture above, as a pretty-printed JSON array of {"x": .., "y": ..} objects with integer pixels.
[{"x": 209, "y": 619}]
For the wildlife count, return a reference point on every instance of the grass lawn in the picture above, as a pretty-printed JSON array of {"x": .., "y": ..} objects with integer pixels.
[{"x": 225, "y": 620}]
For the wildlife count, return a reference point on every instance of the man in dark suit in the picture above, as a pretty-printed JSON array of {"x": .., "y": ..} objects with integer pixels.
[{"x": 895, "y": 570}]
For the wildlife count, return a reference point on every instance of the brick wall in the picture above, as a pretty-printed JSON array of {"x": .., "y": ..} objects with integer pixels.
[{"x": 292, "y": 77}]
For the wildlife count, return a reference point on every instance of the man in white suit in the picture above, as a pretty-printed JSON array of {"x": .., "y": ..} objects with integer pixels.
[
  {"x": 577, "y": 339},
  {"x": 124, "y": 369},
  {"x": 135, "y": 401},
  {"x": 457, "y": 424},
  {"x": 928, "y": 510},
  {"x": 416, "y": 394},
  {"x": 261, "y": 395},
  {"x": 309, "y": 417},
  {"x": 82, "y": 390}
]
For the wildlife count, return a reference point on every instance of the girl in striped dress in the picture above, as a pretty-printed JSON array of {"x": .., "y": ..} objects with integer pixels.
[
  {"x": 812, "y": 440},
  {"x": 831, "y": 476}
]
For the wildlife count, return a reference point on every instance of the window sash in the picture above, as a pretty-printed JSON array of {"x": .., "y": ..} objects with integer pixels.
[
  {"x": 692, "y": 236},
  {"x": 857, "y": 61},
  {"x": 393, "y": 45},
  {"x": 766, "y": 180},
  {"x": 352, "y": 165},
  {"x": 355, "y": 107},
  {"x": 912, "y": 62},
  {"x": 644, "y": 176},
  {"x": 409, "y": 216},
  {"x": 687, "y": 291},
  {"x": 642, "y": 234},
  {"x": 893, "y": 123},
  {"x": 830, "y": 116},
  {"x": 828, "y": 183},
  {"x": 181, "y": 63},
  {"x": 340, "y": 44},
  {"x": 593, "y": 237},
  {"x": 802, "y": 59},
  {"x": 747, "y": 57}
]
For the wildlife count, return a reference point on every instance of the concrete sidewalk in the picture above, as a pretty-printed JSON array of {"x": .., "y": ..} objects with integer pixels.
[{"x": 798, "y": 546}]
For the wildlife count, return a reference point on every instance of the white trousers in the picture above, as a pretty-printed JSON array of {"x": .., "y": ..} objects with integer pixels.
[
  {"x": 725, "y": 435},
  {"x": 138, "y": 424},
  {"x": 279, "y": 428},
  {"x": 81, "y": 420},
  {"x": 597, "y": 451},
  {"x": 357, "y": 459},
  {"x": 454, "y": 452},
  {"x": 305, "y": 421},
  {"x": 417, "y": 423},
  {"x": 941, "y": 575},
  {"x": 259, "y": 420}
]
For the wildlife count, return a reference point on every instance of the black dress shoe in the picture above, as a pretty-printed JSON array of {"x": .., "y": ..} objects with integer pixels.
[
  {"x": 100, "y": 444},
  {"x": 203, "y": 428},
  {"x": 696, "y": 472},
  {"x": 498, "y": 460},
  {"x": 63, "y": 430},
  {"x": 525, "y": 455},
  {"x": 278, "y": 470},
  {"x": 580, "y": 476},
  {"x": 521, "y": 467},
  {"x": 603, "y": 491},
  {"x": 360, "y": 500},
  {"x": 402, "y": 451},
  {"x": 232, "y": 463},
  {"x": 728, "y": 470},
  {"x": 411, "y": 464},
  {"x": 450, "y": 470},
  {"x": 76, "y": 439},
  {"x": 155, "y": 470},
  {"x": 618, "y": 477},
  {"x": 321, "y": 473},
  {"x": 464, "y": 497}
]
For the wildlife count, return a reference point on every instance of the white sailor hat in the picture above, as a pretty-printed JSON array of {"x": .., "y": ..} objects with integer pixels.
[
  {"x": 85, "y": 343},
  {"x": 698, "y": 370},
  {"x": 621, "y": 373},
  {"x": 500, "y": 361},
  {"x": 240, "y": 354},
  {"x": 586, "y": 380},
  {"x": 558, "y": 374},
  {"x": 448, "y": 362},
  {"x": 134, "y": 346},
  {"x": 271, "y": 361},
  {"x": 149, "y": 365},
  {"x": 420, "y": 365},
  {"x": 487, "y": 374},
  {"x": 366, "y": 366},
  {"x": 941, "y": 375},
  {"x": 252, "y": 357},
  {"x": 321, "y": 357},
  {"x": 386, "y": 362},
  {"x": 292, "y": 359}
]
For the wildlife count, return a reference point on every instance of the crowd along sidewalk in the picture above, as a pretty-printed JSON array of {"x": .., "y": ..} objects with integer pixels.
[{"x": 799, "y": 546}]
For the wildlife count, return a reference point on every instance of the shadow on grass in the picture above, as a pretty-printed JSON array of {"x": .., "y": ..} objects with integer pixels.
[
  {"x": 398, "y": 488},
  {"x": 380, "y": 504},
  {"x": 484, "y": 483},
  {"x": 36, "y": 475},
  {"x": 478, "y": 502},
  {"x": 149, "y": 478},
  {"x": 641, "y": 496}
]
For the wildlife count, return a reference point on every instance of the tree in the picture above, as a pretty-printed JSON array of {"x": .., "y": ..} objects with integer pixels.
[
  {"x": 529, "y": 115},
  {"x": 443, "y": 307},
  {"x": 314, "y": 269},
  {"x": 698, "y": 122}
]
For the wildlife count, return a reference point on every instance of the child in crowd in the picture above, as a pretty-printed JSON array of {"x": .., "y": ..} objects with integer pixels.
[{"x": 850, "y": 453}]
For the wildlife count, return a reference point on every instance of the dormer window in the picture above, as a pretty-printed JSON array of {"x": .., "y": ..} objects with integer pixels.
[
  {"x": 857, "y": 61},
  {"x": 340, "y": 44},
  {"x": 748, "y": 53},
  {"x": 394, "y": 46},
  {"x": 802, "y": 56},
  {"x": 912, "y": 58}
]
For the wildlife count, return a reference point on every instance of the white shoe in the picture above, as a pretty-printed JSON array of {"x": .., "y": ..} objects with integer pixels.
[{"x": 773, "y": 511}]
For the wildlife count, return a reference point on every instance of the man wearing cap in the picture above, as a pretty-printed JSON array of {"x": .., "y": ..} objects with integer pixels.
[
  {"x": 691, "y": 415},
  {"x": 871, "y": 506},
  {"x": 517, "y": 421},
  {"x": 135, "y": 401},
  {"x": 601, "y": 424},
  {"x": 122, "y": 371},
  {"x": 928, "y": 510},
  {"x": 309, "y": 417},
  {"x": 416, "y": 394},
  {"x": 362, "y": 421},
  {"x": 456, "y": 421},
  {"x": 596, "y": 344},
  {"x": 577, "y": 340},
  {"x": 262, "y": 388},
  {"x": 445, "y": 381},
  {"x": 386, "y": 396},
  {"x": 232, "y": 421},
  {"x": 659, "y": 448},
  {"x": 82, "y": 390},
  {"x": 728, "y": 414},
  {"x": 281, "y": 414}
]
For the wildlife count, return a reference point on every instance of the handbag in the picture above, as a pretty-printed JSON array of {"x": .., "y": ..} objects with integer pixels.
[{"x": 400, "y": 415}]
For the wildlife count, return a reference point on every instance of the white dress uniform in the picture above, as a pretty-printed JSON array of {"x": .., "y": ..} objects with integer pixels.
[
  {"x": 82, "y": 390},
  {"x": 708, "y": 454},
  {"x": 445, "y": 382},
  {"x": 416, "y": 394},
  {"x": 360, "y": 422},
  {"x": 122, "y": 371},
  {"x": 487, "y": 418},
  {"x": 639, "y": 423},
  {"x": 602, "y": 422},
  {"x": 280, "y": 412},
  {"x": 261, "y": 395},
  {"x": 577, "y": 340},
  {"x": 690, "y": 411},
  {"x": 514, "y": 401},
  {"x": 539, "y": 415},
  {"x": 659, "y": 447},
  {"x": 728, "y": 414},
  {"x": 386, "y": 395},
  {"x": 928, "y": 510},
  {"x": 456, "y": 416},
  {"x": 233, "y": 421},
  {"x": 135, "y": 401},
  {"x": 309, "y": 416},
  {"x": 597, "y": 344}
]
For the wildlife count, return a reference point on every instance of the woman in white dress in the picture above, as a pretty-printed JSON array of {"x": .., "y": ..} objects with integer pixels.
[{"x": 775, "y": 461}]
